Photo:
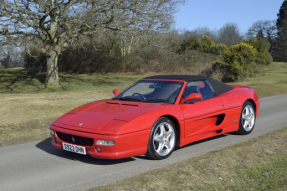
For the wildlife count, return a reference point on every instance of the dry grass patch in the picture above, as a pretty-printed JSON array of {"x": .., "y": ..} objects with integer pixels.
[
  {"x": 27, "y": 108},
  {"x": 256, "y": 164},
  {"x": 26, "y": 117}
]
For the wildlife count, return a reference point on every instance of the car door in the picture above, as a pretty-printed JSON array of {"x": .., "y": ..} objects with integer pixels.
[{"x": 202, "y": 116}]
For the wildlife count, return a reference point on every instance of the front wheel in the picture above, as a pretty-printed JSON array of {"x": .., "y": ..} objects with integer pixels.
[
  {"x": 247, "y": 119},
  {"x": 162, "y": 139}
]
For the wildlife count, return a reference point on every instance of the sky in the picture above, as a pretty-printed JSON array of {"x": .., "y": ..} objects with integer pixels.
[{"x": 216, "y": 13}]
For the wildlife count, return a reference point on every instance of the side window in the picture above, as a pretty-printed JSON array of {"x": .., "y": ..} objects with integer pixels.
[{"x": 201, "y": 87}]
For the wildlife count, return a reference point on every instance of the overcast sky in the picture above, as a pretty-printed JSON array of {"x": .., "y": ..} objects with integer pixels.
[{"x": 215, "y": 13}]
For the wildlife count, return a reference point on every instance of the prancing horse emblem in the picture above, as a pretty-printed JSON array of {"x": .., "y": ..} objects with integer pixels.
[
  {"x": 73, "y": 139},
  {"x": 80, "y": 124}
]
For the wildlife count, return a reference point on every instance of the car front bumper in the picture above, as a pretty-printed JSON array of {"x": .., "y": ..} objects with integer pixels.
[{"x": 127, "y": 145}]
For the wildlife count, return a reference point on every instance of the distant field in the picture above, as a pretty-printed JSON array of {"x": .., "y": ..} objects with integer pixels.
[
  {"x": 273, "y": 81},
  {"x": 19, "y": 81},
  {"x": 28, "y": 108}
]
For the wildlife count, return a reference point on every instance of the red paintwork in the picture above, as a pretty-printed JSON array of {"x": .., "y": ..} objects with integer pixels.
[
  {"x": 129, "y": 123},
  {"x": 116, "y": 91},
  {"x": 194, "y": 96}
]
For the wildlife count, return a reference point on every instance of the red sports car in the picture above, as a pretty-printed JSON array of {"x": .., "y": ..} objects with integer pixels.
[{"x": 154, "y": 115}]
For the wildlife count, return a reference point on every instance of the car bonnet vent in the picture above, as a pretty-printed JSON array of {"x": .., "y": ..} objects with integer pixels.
[
  {"x": 112, "y": 103},
  {"x": 129, "y": 104}
]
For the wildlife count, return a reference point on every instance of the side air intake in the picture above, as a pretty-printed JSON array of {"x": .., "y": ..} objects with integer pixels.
[{"x": 220, "y": 119}]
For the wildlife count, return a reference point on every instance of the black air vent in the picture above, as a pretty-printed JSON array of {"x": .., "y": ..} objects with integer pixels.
[
  {"x": 219, "y": 119},
  {"x": 129, "y": 104},
  {"x": 115, "y": 103},
  {"x": 75, "y": 139}
]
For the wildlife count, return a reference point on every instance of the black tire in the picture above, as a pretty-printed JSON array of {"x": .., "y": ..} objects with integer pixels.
[
  {"x": 244, "y": 128},
  {"x": 158, "y": 149}
]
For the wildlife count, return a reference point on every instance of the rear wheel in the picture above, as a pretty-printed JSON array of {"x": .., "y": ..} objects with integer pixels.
[
  {"x": 247, "y": 119},
  {"x": 162, "y": 139}
]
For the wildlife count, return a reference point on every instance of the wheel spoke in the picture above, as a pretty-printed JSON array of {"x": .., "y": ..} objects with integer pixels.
[
  {"x": 245, "y": 123},
  {"x": 162, "y": 130},
  {"x": 168, "y": 134},
  {"x": 246, "y": 111},
  {"x": 249, "y": 123},
  {"x": 158, "y": 138},
  {"x": 251, "y": 115},
  {"x": 160, "y": 147},
  {"x": 244, "y": 116},
  {"x": 167, "y": 145}
]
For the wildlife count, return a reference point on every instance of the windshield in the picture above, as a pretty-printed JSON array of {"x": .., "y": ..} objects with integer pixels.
[{"x": 152, "y": 91}]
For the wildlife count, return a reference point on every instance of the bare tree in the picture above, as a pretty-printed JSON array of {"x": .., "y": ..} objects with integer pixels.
[
  {"x": 59, "y": 23},
  {"x": 10, "y": 56},
  {"x": 200, "y": 32},
  {"x": 268, "y": 29},
  {"x": 229, "y": 34}
]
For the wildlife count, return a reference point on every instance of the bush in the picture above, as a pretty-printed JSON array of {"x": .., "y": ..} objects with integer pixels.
[
  {"x": 37, "y": 58},
  {"x": 218, "y": 49},
  {"x": 239, "y": 61},
  {"x": 261, "y": 45},
  {"x": 189, "y": 44},
  {"x": 205, "y": 44}
]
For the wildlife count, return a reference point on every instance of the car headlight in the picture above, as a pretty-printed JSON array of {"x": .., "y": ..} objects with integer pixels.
[
  {"x": 105, "y": 142},
  {"x": 52, "y": 132}
]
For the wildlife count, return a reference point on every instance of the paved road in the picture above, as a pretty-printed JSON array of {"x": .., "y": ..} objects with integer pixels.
[{"x": 40, "y": 166}]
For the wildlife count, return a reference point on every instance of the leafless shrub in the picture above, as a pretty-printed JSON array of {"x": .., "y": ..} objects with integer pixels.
[
  {"x": 200, "y": 32},
  {"x": 266, "y": 29},
  {"x": 229, "y": 34}
]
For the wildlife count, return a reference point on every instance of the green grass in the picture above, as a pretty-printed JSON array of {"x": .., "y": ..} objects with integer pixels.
[
  {"x": 28, "y": 108},
  {"x": 257, "y": 164},
  {"x": 19, "y": 81},
  {"x": 273, "y": 81}
]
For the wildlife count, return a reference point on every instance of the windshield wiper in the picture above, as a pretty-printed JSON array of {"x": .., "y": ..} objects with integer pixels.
[
  {"x": 158, "y": 100},
  {"x": 130, "y": 99}
]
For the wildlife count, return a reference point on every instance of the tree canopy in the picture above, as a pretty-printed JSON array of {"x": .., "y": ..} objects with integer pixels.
[
  {"x": 282, "y": 15},
  {"x": 59, "y": 23}
]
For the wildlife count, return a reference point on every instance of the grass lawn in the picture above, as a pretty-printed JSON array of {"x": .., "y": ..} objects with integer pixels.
[
  {"x": 273, "y": 81},
  {"x": 27, "y": 108}
]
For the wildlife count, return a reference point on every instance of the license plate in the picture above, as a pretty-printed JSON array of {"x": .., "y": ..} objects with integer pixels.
[{"x": 74, "y": 148}]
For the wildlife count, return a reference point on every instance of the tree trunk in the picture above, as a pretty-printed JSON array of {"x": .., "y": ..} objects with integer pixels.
[{"x": 52, "y": 78}]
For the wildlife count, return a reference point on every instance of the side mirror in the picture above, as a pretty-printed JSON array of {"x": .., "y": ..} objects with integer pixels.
[
  {"x": 116, "y": 91},
  {"x": 193, "y": 96}
]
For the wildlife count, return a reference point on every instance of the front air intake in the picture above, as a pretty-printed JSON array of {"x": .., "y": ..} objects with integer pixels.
[{"x": 83, "y": 141}]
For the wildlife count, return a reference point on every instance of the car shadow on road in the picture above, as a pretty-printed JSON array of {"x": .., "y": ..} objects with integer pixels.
[
  {"x": 46, "y": 146},
  {"x": 188, "y": 145}
]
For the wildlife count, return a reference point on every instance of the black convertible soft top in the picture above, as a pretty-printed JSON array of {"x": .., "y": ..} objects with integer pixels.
[{"x": 217, "y": 86}]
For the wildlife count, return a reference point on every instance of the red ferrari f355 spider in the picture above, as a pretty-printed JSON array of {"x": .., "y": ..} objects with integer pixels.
[{"x": 154, "y": 115}]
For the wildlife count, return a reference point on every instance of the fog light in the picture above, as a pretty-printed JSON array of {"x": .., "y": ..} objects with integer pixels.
[
  {"x": 52, "y": 132},
  {"x": 98, "y": 149},
  {"x": 105, "y": 142}
]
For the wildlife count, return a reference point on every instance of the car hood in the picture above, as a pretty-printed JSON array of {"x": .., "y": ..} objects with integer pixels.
[{"x": 96, "y": 115}]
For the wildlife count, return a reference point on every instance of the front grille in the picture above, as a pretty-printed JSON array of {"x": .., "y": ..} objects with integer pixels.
[{"x": 75, "y": 139}]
